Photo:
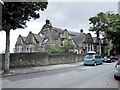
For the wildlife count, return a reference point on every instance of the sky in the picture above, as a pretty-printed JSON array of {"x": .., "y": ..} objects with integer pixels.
[{"x": 70, "y": 15}]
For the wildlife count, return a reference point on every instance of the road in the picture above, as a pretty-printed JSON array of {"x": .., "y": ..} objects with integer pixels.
[{"x": 100, "y": 76}]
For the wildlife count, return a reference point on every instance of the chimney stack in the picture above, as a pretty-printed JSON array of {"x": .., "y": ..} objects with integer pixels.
[
  {"x": 47, "y": 22},
  {"x": 81, "y": 31}
]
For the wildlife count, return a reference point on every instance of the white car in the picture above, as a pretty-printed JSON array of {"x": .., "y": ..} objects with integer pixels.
[
  {"x": 91, "y": 52},
  {"x": 117, "y": 70}
]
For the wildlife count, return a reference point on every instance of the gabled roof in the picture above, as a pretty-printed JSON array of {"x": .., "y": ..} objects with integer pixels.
[
  {"x": 45, "y": 29},
  {"x": 34, "y": 38},
  {"x": 30, "y": 39},
  {"x": 38, "y": 38},
  {"x": 58, "y": 30},
  {"x": 45, "y": 26},
  {"x": 20, "y": 40},
  {"x": 79, "y": 39},
  {"x": 73, "y": 33},
  {"x": 54, "y": 36},
  {"x": 24, "y": 38},
  {"x": 88, "y": 39}
]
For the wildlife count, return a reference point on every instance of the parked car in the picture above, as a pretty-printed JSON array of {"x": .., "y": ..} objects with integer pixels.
[
  {"x": 117, "y": 70},
  {"x": 112, "y": 58},
  {"x": 108, "y": 59},
  {"x": 102, "y": 59},
  {"x": 92, "y": 59},
  {"x": 117, "y": 57},
  {"x": 91, "y": 52}
]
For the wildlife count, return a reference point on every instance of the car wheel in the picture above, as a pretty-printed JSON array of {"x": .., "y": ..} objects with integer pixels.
[
  {"x": 115, "y": 77},
  {"x": 95, "y": 64}
]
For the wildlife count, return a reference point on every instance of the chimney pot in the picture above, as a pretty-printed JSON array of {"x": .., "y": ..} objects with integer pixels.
[
  {"x": 81, "y": 31},
  {"x": 47, "y": 21}
]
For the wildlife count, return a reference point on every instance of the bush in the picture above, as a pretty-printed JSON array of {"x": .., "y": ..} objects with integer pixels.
[
  {"x": 56, "y": 50},
  {"x": 68, "y": 46}
]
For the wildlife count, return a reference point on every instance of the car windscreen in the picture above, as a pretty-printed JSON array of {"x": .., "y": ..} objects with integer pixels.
[{"x": 88, "y": 56}]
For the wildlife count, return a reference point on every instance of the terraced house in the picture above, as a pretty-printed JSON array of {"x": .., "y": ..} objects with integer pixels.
[{"x": 50, "y": 36}]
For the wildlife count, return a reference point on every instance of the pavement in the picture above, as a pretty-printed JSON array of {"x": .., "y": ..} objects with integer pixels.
[{"x": 19, "y": 71}]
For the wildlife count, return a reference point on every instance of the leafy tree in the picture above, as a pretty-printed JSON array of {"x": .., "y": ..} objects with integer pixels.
[
  {"x": 108, "y": 23},
  {"x": 55, "y": 50},
  {"x": 99, "y": 23},
  {"x": 15, "y": 15},
  {"x": 68, "y": 45}
]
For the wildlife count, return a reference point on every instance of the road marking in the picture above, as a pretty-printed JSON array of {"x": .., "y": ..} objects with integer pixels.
[{"x": 86, "y": 67}]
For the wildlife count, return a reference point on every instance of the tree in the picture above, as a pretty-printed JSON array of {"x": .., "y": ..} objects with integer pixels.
[
  {"x": 108, "y": 23},
  {"x": 99, "y": 23},
  {"x": 15, "y": 15},
  {"x": 68, "y": 45},
  {"x": 55, "y": 50}
]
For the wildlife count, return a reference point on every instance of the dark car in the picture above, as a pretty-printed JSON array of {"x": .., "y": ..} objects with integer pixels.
[
  {"x": 109, "y": 59},
  {"x": 112, "y": 58}
]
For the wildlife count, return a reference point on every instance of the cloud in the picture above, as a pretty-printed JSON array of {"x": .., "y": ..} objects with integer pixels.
[
  {"x": 64, "y": 14},
  {"x": 72, "y": 15}
]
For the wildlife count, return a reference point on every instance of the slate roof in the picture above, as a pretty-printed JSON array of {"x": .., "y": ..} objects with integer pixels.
[
  {"x": 24, "y": 38},
  {"x": 45, "y": 26},
  {"x": 55, "y": 36},
  {"x": 20, "y": 40},
  {"x": 73, "y": 33},
  {"x": 30, "y": 38},
  {"x": 39, "y": 38},
  {"x": 79, "y": 39},
  {"x": 58, "y": 30},
  {"x": 88, "y": 39}
]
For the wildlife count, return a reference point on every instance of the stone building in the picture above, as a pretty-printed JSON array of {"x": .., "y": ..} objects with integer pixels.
[{"x": 50, "y": 36}]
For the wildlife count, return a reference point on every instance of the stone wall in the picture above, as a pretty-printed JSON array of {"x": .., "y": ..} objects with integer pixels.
[{"x": 18, "y": 60}]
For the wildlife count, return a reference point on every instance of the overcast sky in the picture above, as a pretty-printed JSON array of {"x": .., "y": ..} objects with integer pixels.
[{"x": 72, "y": 16}]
